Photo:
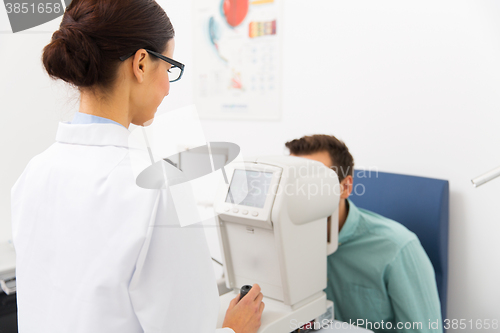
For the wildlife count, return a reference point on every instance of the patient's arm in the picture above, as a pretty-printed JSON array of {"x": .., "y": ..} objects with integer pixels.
[{"x": 411, "y": 286}]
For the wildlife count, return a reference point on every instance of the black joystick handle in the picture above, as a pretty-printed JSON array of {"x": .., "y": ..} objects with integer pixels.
[{"x": 244, "y": 290}]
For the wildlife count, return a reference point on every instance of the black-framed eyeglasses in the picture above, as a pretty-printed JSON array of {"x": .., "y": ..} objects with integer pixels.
[{"x": 174, "y": 73}]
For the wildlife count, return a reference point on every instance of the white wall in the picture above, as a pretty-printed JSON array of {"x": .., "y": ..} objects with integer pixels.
[{"x": 410, "y": 86}]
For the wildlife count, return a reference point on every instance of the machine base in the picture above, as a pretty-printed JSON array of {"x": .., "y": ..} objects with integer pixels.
[{"x": 278, "y": 317}]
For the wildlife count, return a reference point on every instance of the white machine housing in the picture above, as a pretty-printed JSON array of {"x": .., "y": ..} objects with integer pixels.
[{"x": 274, "y": 233}]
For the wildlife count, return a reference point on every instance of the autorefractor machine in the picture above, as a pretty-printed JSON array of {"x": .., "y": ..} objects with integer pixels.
[{"x": 272, "y": 218}]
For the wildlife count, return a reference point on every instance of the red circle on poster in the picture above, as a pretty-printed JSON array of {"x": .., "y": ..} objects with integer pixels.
[{"x": 235, "y": 11}]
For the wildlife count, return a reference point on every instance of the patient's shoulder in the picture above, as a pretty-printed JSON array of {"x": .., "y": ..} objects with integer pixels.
[{"x": 384, "y": 229}]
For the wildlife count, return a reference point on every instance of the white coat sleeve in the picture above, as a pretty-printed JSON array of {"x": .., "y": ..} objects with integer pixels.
[{"x": 173, "y": 287}]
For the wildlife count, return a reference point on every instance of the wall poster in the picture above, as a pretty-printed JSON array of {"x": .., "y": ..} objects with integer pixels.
[{"x": 237, "y": 59}]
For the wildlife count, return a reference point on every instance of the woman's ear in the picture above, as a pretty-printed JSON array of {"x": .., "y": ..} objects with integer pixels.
[
  {"x": 346, "y": 187},
  {"x": 139, "y": 64}
]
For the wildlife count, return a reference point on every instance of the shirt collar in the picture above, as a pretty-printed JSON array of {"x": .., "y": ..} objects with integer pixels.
[
  {"x": 84, "y": 118},
  {"x": 100, "y": 134},
  {"x": 351, "y": 223}
]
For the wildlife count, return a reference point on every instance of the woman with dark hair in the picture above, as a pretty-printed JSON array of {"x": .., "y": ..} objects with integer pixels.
[{"x": 95, "y": 252}]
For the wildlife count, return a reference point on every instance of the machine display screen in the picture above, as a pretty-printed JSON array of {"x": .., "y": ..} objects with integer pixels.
[{"x": 249, "y": 188}]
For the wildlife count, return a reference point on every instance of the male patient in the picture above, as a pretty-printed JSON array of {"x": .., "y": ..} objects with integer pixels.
[{"x": 380, "y": 273}]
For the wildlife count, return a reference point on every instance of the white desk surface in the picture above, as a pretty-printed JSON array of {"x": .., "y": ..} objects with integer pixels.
[{"x": 337, "y": 326}]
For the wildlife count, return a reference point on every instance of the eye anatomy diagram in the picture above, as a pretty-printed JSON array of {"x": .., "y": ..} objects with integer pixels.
[{"x": 237, "y": 48}]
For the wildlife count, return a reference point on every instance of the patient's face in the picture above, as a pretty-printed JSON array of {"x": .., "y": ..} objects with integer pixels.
[{"x": 321, "y": 156}]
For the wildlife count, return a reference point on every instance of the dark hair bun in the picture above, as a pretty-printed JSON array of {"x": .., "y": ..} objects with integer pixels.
[{"x": 72, "y": 56}]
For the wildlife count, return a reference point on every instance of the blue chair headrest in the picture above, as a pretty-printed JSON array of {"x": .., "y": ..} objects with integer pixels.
[{"x": 421, "y": 204}]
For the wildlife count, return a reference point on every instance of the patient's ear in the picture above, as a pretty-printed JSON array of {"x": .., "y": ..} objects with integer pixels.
[{"x": 346, "y": 187}]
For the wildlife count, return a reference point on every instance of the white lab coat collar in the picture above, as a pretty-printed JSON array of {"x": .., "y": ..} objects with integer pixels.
[{"x": 97, "y": 134}]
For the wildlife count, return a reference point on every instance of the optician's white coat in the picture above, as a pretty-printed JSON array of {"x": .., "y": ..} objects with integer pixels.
[{"x": 96, "y": 253}]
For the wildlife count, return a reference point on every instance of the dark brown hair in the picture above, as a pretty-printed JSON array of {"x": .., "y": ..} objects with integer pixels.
[
  {"x": 94, "y": 34},
  {"x": 343, "y": 162}
]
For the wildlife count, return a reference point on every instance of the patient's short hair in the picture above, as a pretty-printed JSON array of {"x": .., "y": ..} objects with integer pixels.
[{"x": 343, "y": 162}]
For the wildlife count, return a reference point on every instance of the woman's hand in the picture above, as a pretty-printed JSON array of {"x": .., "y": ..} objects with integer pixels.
[{"x": 244, "y": 316}]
